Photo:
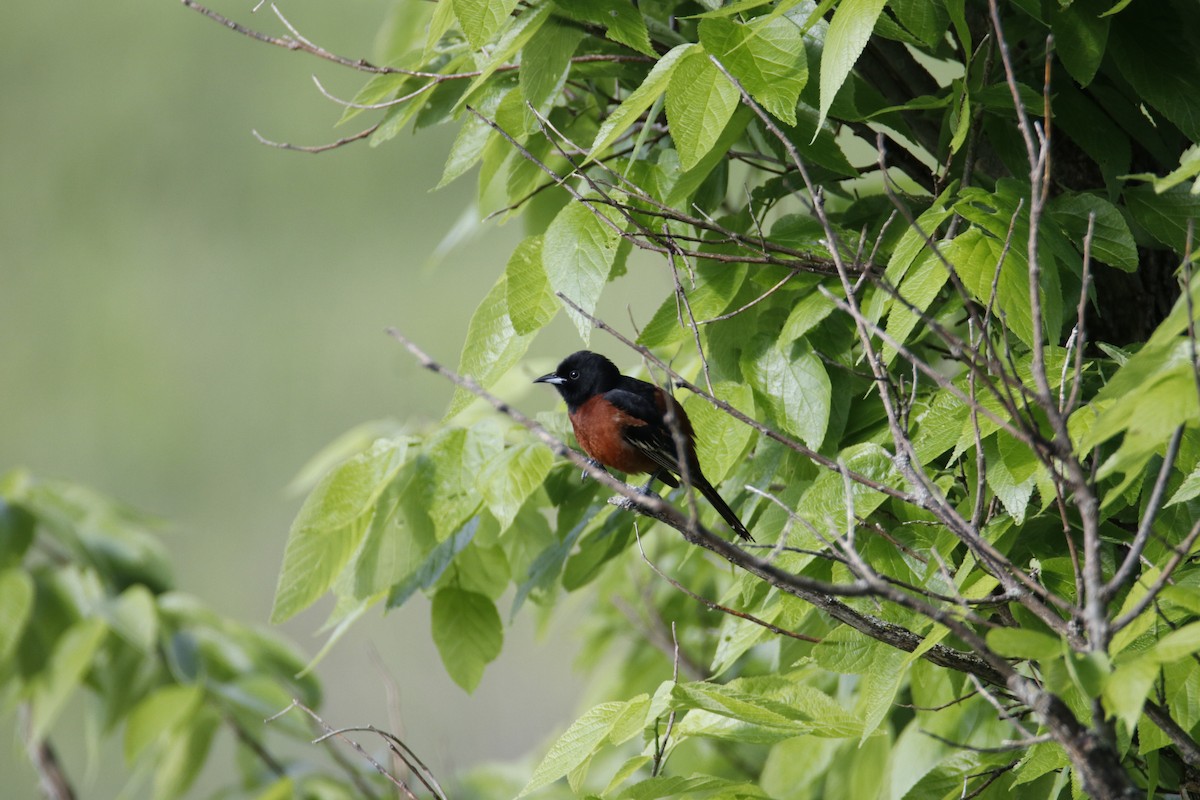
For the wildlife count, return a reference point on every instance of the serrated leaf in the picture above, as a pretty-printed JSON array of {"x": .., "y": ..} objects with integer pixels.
[
  {"x": 689, "y": 786},
  {"x": 920, "y": 287},
  {"x": 505, "y": 51},
  {"x": 1014, "y": 492},
  {"x": 508, "y": 480},
  {"x": 331, "y": 524},
  {"x": 638, "y": 101},
  {"x": 1188, "y": 490},
  {"x": 851, "y": 27},
  {"x": 720, "y": 439},
  {"x": 472, "y": 137},
  {"x": 578, "y": 251},
  {"x": 531, "y": 301},
  {"x": 492, "y": 347},
  {"x": 545, "y": 62},
  {"x": 578, "y": 744},
  {"x": 1112, "y": 241},
  {"x": 878, "y": 687},
  {"x": 766, "y": 56},
  {"x": 805, "y": 315},
  {"x": 621, "y": 20},
  {"x": 729, "y": 702},
  {"x": 716, "y": 284},
  {"x": 795, "y": 388},
  {"x": 824, "y": 502},
  {"x": 1165, "y": 216},
  {"x": 468, "y": 634},
  {"x": 391, "y": 545},
  {"x": 480, "y": 20},
  {"x": 700, "y": 101},
  {"x": 1177, "y": 644}
]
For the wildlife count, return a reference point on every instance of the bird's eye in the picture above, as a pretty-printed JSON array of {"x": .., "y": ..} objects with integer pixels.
[{"x": 574, "y": 375}]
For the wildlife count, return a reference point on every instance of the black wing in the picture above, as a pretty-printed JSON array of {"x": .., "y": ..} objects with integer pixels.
[{"x": 638, "y": 399}]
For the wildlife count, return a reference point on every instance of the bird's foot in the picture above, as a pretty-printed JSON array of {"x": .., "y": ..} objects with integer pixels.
[{"x": 584, "y": 474}]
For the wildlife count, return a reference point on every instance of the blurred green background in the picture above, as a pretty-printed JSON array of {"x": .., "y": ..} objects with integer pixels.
[{"x": 187, "y": 316}]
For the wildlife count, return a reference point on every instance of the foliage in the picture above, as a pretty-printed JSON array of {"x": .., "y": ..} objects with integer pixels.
[
  {"x": 87, "y": 603},
  {"x": 927, "y": 259}
]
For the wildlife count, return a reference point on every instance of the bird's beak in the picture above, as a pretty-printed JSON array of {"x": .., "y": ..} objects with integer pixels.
[{"x": 551, "y": 378}]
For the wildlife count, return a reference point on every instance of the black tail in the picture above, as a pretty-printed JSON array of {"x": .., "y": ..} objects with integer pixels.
[{"x": 705, "y": 488}]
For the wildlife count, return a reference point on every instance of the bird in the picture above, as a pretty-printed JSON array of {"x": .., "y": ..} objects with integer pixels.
[{"x": 622, "y": 423}]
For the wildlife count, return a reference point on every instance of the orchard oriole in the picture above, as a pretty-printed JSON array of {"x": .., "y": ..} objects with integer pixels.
[{"x": 622, "y": 423}]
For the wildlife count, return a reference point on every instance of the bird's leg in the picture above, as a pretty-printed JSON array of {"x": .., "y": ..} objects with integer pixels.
[
  {"x": 645, "y": 488},
  {"x": 583, "y": 475}
]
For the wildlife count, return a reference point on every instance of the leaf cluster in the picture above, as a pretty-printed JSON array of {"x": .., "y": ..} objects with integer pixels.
[
  {"x": 88, "y": 607},
  {"x": 934, "y": 308}
]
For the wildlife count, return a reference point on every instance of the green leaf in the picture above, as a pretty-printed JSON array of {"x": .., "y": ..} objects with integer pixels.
[
  {"x": 795, "y": 388},
  {"x": 1112, "y": 241},
  {"x": 1177, "y": 644},
  {"x": 1126, "y": 690},
  {"x": 975, "y": 256},
  {"x": 531, "y": 301},
  {"x": 638, "y": 101},
  {"x": 690, "y": 786},
  {"x": 621, "y": 19},
  {"x": 505, "y": 51},
  {"x": 700, "y": 101},
  {"x": 430, "y": 570},
  {"x": 392, "y": 546},
  {"x": 456, "y": 457},
  {"x": 920, "y": 287},
  {"x": 766, "y": 56},
  {"x": 1080, "y": 37},
  {"x": 824, "y": 502},
  {"x": 492, "y": 347},
  {"x": 509, "y": 478},
  {"x": 468, "y": 634},
  {"x": 805, "y": 315},
  {"x": 474, "y": 134},
  {"x": 1163, "y": 75},
  {"x": 16, "y": 603},
  {"x": 1026, "y": 644},
  {"x": 1164, "y": 216},
  {"x": 480, "y": 20},
  {"x": 729, "y": 702},
  {"x": 545, "y": 62},
  {"x": 926, "y": 19},
  {"x": 1188, "y": 490},
  {"x": 158, "y": 715},
  {"x": 878, "y": 687},
  {"x": 184, "y": 756},
  {"x": 578, "y": 252},
  {"x": 1013, "y": 490},
  {"x": 134, "y": 617},
  {"x": 16, "y": 533},
  {"x": 851, "y": 27},
  {"x": 330, "y": 525},
  {"x": 68, "y": 664},
  {"x": 720, "y": 439},
  {"x": 716, "y": 284},
  {"x": 579, "y": 743}
]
